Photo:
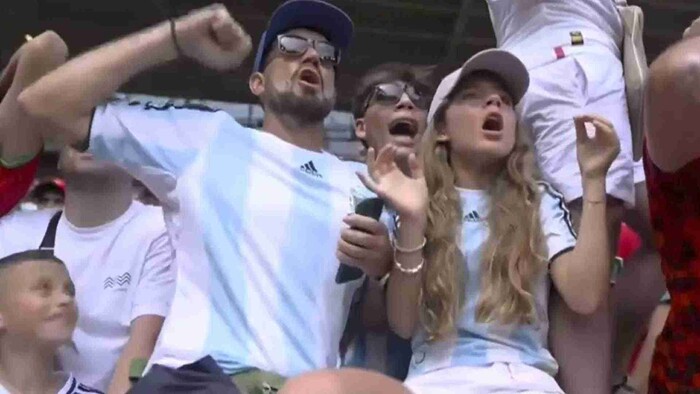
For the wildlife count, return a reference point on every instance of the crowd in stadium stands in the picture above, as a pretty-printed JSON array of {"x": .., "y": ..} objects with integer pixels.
[{"x": 513, "y": 229}]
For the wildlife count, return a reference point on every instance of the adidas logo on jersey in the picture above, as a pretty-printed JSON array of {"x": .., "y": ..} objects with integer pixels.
[
  {"x": 118, "y": 281},
  {"x": 472, "y": 216},
  {"x": 310, "y": 169}
]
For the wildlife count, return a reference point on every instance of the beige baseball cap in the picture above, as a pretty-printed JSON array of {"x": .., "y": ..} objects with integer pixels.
[{"x": 500, "y": 62}]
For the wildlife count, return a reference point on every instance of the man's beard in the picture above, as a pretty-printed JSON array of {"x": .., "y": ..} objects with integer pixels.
[{"x": 305, "y": 110}]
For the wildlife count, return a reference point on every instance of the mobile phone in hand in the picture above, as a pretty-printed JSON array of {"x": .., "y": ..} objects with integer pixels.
[{"x": 369, "y": 207}]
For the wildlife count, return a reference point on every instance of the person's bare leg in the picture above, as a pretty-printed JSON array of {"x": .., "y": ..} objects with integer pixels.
[
  {"x": 582, "y": 345},
  {"x": 344, "y": 381},
  {"x": 643, "y": 272},
  {"x": 639, "y": 378}
]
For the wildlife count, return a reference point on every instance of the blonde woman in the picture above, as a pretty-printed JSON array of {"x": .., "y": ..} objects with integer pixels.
[{"x": 480, "y": 239}]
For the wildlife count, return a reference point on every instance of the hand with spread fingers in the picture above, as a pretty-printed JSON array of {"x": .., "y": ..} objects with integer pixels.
[
  {"x": 212, "y": 37},
  {"x": 595, "y": 153},
  {"x": 407, "y": 194}
]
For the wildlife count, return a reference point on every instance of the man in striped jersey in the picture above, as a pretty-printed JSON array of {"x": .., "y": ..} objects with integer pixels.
[
  {"x": 254, "y": 215},
  {"x": 37, "y": 316}
]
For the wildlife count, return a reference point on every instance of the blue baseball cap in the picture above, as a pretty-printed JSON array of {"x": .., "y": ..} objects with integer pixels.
[{"x": 316, "y": 15}]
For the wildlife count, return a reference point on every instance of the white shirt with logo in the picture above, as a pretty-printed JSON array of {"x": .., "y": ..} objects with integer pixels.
[
  {"x": 482, "y": 344},
  {"x": 255, "y": 223},
  {"x": 122, "y": 270},
  {"x": 531, "y": 29}
]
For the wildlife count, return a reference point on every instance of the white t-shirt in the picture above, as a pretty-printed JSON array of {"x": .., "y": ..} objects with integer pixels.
[
  {"x": 122, "y": 270},
  {"x": 255, "y": 223},
  {"x": 72, "y": 386},
  {"x": 531, "y": 29},
  {"x": 481, "y": 344}
]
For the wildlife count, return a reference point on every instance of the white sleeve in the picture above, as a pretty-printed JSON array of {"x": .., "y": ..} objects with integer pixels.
[
  {"x": 157, "y": 283},
  {"x": 7, "y": 229},
  {"x": 154, "y": 143},
  {"x": 20, "y": 231},
  {"x": 557, "y": 228}
]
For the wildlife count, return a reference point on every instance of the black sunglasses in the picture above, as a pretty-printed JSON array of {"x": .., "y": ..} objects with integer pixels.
[
  {"x": 294, "y": 45},
  {"x": 391, "y": 93}
]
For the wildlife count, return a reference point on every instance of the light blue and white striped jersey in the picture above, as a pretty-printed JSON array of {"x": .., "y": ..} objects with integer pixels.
[
  {"x": 255, "y": 223},
  {"x": 480, "y": 344},
  {"x": 383, "y": 351}
]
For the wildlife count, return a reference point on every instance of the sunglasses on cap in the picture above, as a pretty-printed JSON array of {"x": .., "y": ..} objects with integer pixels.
[
  {"x": 391, "y": 93},
  {"x": 297, "y": 46}
]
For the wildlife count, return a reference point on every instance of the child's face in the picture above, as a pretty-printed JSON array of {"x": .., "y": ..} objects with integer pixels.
[
  {"x": 37, "y": 303},
  {"x": 401, "y": 122},
  {"x": 480, "y": 121}
]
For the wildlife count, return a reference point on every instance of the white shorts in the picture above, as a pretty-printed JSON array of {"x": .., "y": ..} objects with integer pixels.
[
  {"x": 495, "y": 378},
  {"x": 584, "y": 83}
]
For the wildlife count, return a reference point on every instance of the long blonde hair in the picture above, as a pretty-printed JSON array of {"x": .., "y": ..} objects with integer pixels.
[{"x": 513, "y": 254}]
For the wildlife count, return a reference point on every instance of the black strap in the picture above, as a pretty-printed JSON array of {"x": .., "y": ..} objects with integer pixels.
[{"x": 50, "y": 236}]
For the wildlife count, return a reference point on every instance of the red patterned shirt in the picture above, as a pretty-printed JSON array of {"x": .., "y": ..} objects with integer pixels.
[
  {"x": 14, "y": 184},
  {"x": 674, "y": 202}
]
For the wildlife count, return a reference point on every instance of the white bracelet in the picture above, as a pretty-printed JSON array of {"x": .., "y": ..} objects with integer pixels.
[
  {"x": 408, "y": 250},
  {"x": 408, "y": 271}
]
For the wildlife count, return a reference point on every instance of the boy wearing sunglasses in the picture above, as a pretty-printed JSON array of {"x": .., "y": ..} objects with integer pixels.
[
  {"x": 390, "y": 107},
  {"x": 254, "y": 215}
]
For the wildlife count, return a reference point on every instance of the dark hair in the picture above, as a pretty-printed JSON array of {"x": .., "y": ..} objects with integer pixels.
[
  {"x": 29, "y": 255},
  {"x": 420, "y": 76},
  {"x": 46, "y": 188}
]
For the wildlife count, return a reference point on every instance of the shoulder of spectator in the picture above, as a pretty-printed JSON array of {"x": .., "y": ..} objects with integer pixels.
[
  {"x": 149, "y": 219},
  {"x": 550, "y": 196},
  {"x": 30, "y": 219}
]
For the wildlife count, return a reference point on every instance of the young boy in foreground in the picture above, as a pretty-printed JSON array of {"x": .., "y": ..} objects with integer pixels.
[{"x": 37, "y": 316}]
